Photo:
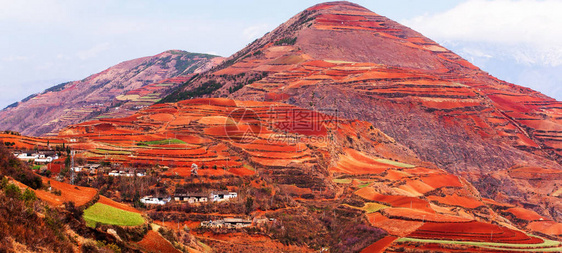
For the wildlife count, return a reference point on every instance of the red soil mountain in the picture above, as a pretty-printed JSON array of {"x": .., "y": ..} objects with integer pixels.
[
  {"x": 121, "y": 89},
  {"x": 342, "y": 56},
  {"x": 369, "y": 130},
  {"x": 313, "y": 157}
]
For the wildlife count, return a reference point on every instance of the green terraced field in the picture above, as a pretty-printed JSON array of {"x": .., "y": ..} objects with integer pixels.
[
  {"x": 399, "y": 164},
  {"x": 101, "y": 213},
  {"x": 342, "y": 180},
  {"x": 161, "y": 142},
  {"x": 369, "y": 207}
]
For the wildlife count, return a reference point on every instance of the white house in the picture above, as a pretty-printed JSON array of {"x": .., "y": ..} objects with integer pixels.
[
  {"x": 155, "y": 200},
  {"x": 28, "y": 156},
  {"x": 222, "y": 196},
  {"x": 76, "y": 169},
  {"x": 227, "y": 222},
  {"x": 124, "y": 173},
  {"x": 36, "y": 157},
  {"x": 114, "y": 173},
  {"x": 192, "y": 197}
]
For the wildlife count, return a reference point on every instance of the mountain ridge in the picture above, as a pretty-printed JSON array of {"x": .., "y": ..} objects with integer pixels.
[
  {"x": 345, "y": 57},
  {"x": 95, "y": 95}
]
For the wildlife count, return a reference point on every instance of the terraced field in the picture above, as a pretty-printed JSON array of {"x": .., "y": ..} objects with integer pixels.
[{"x": 108, "y": 214}]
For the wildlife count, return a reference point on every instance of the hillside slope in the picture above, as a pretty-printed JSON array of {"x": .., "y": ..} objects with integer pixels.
[
  {"x": 342, "y": 57},
  {"x": 331, "y": 182},
  {"x": 73, "y": 102}
]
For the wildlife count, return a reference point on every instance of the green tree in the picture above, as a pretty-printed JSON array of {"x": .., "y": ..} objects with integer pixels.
[
  {"x": 29, "y": 196},
  {"x": 13, "y": 191},
  {"x": 249, "y": 204}
]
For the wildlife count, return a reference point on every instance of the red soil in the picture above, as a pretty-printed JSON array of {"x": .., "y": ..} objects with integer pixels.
[
  {"x": 241, "y": 171},
  {"x": 356, "y": 163},
  {"x": 118, "y": 205},
  {"x": 495, "y": 203},
  {"x": 473, "y": 231},
  {"x": 524, "y": 214},
  {"x": 77, "y": 194},
  {"x": 419, "y": 215},
  {"x": 456, "y": 200},
  {"x": 442, "y": 180},
  {"x": 380, "y": 245},
  {"x": 546, "y": 227},
  {"x": 394, "y": 200},
  {"x": 154, "y": 242}
]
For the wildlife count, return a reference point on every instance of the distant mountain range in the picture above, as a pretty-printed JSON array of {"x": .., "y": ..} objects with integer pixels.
[{"x": 118, "y": 90}]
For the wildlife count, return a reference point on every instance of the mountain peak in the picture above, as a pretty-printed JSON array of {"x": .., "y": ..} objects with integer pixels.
[{"x": 335, "y": 5}]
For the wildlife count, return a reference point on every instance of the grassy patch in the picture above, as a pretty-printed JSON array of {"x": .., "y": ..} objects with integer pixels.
[
  {"x": 342, "y": 180},
  {"x": 399, "y": 164},
  {"x": 160, "y": 142},
  {"x": 369, "y": 207},
  {"x": 36, "y": 167},
  {"x": 373, "y": 207},
  {"x": 247, "y": 166},
  {"x": 206, "y": 248},
  {"x": 546, "y": 246},
  {"x": 363, "y": 185},
  {"x": 101, "y": 213},
  {"x": 164, "y": 84}
]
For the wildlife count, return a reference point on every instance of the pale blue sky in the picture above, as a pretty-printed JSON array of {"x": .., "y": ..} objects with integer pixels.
[{"x": 45, "y": 42}]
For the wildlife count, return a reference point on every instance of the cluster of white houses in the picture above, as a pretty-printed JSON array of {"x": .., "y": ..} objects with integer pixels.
[
  {"x": 191, "y": 198},
  {"x": 227, "y": 223},
  {"x": 127, "y": 173},
  {"x": 37, "y": 157}
]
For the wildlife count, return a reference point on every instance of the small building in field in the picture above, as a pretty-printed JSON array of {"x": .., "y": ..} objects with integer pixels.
[
  {"x": 227, "y": 223},
  {"x": 114, "y": 173},
  {"x": 237, "y": 222},
  {"x": 222, "y": 196},
  {"x": 151, "y": 200},
  {"x": 191, "y": 197}
]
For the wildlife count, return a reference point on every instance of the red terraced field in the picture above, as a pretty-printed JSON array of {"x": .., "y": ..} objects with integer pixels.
[
  {"x": 535, "y": 173},
  {"x": 473, "y": 231},
  {"x": 154, "y": 242},
  {"x": 495, "y": 203},
  {"x": 356, "y": 163},
  {"x": 524, "y": 214},
  {"x": 394, "y": 200},
  {"x": 546, "y": 227},
  {"x": 442, "y": 180},
  {"x": 396, "y": 227},
  {"x": 77, "y": 194},
  {"x": 109, "y": 202},
  {"x": 380, "y": 245},
  {"x": 456, "y": 200},
  {"x": 416, "y": 187},
  {"x": 419, "y": 215}
]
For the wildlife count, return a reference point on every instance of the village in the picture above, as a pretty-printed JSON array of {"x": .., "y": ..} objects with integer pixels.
[{"x": 191, "y": 198}]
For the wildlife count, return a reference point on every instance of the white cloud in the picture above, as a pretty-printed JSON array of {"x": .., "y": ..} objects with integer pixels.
[
  {"x": 256, "y": 31},
  {"x": 31, "y": 11},
  {"x": 93, "y": 52},
  {"x": 531, "y": 28},
  {"x": 14, "y": 58}
]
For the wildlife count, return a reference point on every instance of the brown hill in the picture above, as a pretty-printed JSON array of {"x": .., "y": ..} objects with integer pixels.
[
  {"x": 342, "y": 56},
  {"x": 106, "y": 92}
]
